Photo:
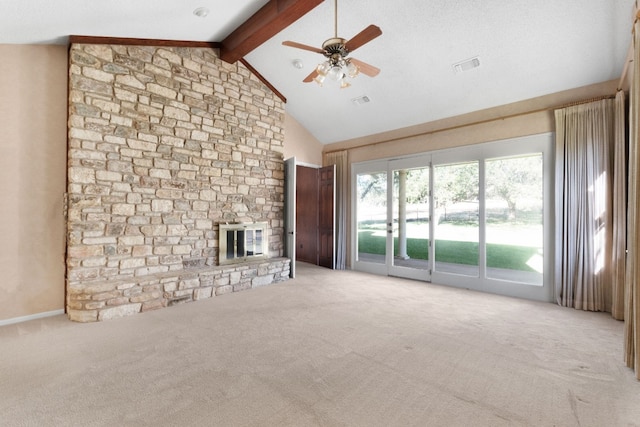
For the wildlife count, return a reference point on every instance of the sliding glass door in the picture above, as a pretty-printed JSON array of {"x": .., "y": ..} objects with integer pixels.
[
  {"x": 456, "y": 225},
  {"x": 410, "y": 225},
  {"x": 393, "y": 210},
  {"x": 477, "y": 217},
  {"x": 514, "y": 218},
  {"x": 371, "y": 220}
]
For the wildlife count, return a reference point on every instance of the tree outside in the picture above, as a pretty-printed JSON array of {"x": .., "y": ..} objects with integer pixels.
[
  {"x": 516, "y": 181},
  {"x": 513, "y": 200}
]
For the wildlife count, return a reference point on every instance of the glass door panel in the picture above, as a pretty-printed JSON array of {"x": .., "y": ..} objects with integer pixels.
[
  {"x": 476, "y": 217},
  {"x": 456, "y": 224},
  {"x": 371, "y": 234},
  {"x": 514, "y": 218},
  {"x": 411, "y": 213}
]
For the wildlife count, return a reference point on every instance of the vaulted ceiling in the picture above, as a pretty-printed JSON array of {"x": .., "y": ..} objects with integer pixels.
[{"x": 525, "y": 49}]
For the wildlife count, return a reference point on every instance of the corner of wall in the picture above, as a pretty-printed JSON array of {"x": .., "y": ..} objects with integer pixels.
[
  {"x": 33, "y": 117},
  {"x": 300, "y": 143}
]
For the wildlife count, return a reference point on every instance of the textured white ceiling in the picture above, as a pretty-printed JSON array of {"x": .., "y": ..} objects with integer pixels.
[
  {"x": 526, "y": 49},
  {"x": 51, "y": 21}
]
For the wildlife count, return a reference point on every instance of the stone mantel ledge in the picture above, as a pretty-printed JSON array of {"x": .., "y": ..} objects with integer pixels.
[{"x": 109, "y": 299}]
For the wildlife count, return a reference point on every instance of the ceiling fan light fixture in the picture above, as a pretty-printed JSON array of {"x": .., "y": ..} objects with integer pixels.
[
  {"x": 338, "y": 66},
  {"x": 323, "y": 68},
  {"x": 352, "y": 70},
  {"x": 336, "y": 73}
]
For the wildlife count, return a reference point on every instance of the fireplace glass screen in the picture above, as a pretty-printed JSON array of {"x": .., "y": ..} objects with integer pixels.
[{"x": 242, "y": 242}]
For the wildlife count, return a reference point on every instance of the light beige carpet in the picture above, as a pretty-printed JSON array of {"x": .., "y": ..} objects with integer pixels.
[{"x": 328, "y": 348}]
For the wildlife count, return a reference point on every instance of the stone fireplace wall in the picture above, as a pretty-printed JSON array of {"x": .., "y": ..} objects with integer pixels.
[{"x": 164, "y": 144}]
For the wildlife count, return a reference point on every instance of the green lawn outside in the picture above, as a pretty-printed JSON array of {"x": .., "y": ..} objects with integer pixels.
[{"x": 498, "y": 256}]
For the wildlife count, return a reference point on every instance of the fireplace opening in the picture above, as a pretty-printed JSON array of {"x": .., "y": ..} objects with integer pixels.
[{"x": 242, "y": 242}]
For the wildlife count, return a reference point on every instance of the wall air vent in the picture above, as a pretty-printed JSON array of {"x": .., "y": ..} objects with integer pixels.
[
  {"x": 466, "y": 65},
  {"x": 361, "y": 100}
]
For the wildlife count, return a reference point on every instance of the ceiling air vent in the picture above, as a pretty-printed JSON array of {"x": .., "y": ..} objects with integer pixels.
[
  {"x": 466, "y": 65},
  {"x": 361, "y": 100}
]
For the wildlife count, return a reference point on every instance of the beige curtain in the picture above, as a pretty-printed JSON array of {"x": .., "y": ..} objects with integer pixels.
[
  {"x": 339, "y": 158},
  {"x": 584, "y": 143},
  {"x": 632, "y": 294},
  {"x": 618, "y": 255}
]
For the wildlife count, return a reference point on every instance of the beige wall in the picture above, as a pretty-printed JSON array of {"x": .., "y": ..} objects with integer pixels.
[
  {"x": 522, "y": 118},
  {"x": 530, "y": 117},
  {"x": 33, "y": 114},
  {"x": 299, "y": 143}
]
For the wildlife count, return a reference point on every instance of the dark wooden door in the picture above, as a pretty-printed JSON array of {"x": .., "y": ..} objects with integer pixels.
[
  {"x": 307, "y": 214},
  {"x": 315, "y": 215},
  {"x": 326, "y": 213}
]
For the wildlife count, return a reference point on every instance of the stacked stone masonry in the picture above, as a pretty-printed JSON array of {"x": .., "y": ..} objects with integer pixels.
[
  {"x": 117, "y": 298},
  {"x": 165, "y": 144}
]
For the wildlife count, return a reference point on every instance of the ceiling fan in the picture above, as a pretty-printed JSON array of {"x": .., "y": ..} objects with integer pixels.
[{"x": 338, "y": 65}]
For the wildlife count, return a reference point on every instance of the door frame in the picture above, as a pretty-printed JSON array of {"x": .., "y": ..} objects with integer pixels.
[
  {"x": 290, "y": 213},
  {"x": 414, "y": 162},
  {"x": 388, "y": 268}
]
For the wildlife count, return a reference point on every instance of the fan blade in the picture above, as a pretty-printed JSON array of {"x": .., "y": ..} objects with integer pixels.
[
  {"x": 311, "y": 76},
  {"x": 364, "y": 36},
  {"x": 365, "y": 68},
  {"x": 303, "y": 46}
]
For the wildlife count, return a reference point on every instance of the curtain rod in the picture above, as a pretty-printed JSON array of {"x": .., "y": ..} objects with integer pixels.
[
  {"x": 584, "y": 101},
  {"x": 478, "y": 122}
]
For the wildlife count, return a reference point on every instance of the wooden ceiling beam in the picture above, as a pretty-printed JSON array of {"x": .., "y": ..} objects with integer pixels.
[
  {"x": 272, "y": 18},
  {"x": 140, "y": 42}
]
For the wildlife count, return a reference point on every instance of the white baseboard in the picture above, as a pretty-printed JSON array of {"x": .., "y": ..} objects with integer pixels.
[{"x": 31, "y": 317}]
